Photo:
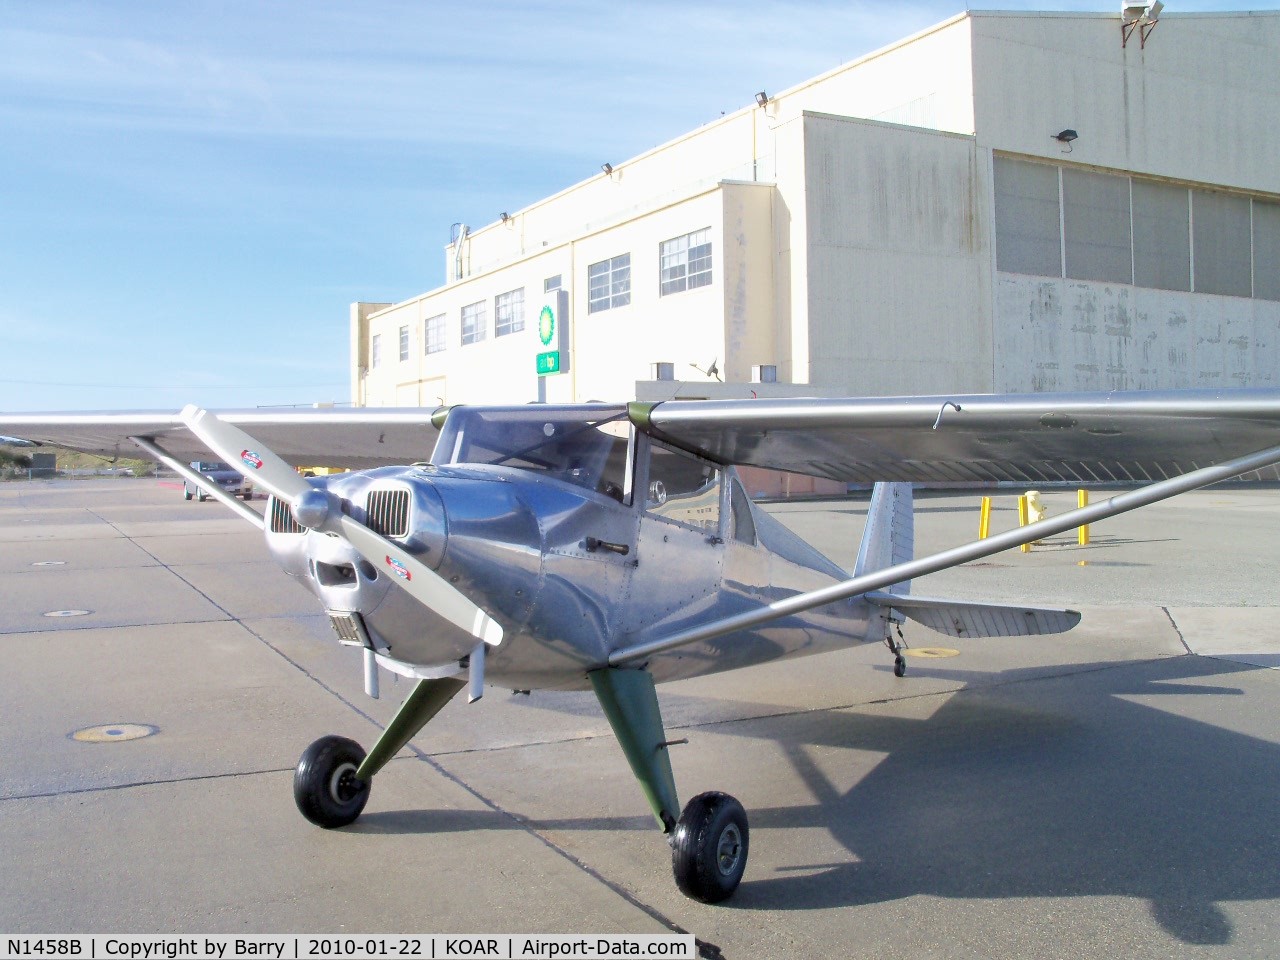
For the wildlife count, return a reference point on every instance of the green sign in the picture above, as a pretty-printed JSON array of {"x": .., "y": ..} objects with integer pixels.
[
  {"x": 546, "y": 326},
  {"x": 548, "y": 362}
]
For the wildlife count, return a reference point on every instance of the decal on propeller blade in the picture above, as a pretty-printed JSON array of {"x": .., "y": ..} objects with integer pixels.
[
  {"x": 399, "y": 569},
  {"x": 251, "y": 459}
]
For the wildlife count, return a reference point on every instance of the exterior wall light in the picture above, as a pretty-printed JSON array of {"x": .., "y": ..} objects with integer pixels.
[{"x": 762, "y": 98}]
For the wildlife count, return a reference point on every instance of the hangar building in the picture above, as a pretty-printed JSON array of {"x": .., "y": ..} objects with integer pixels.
[{"x": 1005, "y": 202}]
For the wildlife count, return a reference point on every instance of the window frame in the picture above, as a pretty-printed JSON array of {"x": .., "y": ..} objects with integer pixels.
[
  {"x": 617, "y": 287},
  {"x": 479, "y": 322},
  {"x": 676, "y": 263},
  {"x": 436, "y": 343},
  {"x": 513, "y": 307}
]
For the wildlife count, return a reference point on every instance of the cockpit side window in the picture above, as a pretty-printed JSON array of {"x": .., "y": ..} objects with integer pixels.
[
  {"x": 683, "y": 488},
  {"x": 587, "y": 451}
]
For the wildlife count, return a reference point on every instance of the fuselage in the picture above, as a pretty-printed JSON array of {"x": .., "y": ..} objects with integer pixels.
[{"x": 579, "y": 536}]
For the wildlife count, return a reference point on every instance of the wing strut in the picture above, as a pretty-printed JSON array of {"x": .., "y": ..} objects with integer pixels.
[
  {"x": 197, "y": 480},
  {"x": 880, "y": 579}
]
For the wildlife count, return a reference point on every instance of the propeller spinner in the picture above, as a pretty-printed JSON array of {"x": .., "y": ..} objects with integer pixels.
[{"x": 316, "y": 509}]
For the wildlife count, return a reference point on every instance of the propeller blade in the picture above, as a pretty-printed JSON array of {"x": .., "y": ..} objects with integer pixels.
[
  {"x": 420, "y": 581},
  {"x": 237, "y": 448},
  {"x": 278, "y": 478}
]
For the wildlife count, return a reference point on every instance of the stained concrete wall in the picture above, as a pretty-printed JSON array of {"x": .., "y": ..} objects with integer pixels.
[
  {"x": 899, "y": 254},
  {"x": 1054, "y": 334},
  {"x": 1197, "y": 104}
]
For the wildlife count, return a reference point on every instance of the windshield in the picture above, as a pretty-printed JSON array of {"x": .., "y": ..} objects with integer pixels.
[{"x": 585, "y": 445}]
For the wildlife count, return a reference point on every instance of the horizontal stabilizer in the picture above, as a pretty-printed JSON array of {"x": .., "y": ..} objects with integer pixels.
[{"x": 957, "y": 618}]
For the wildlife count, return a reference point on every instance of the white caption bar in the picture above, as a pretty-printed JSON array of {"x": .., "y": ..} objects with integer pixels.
[{"x": 355, "y": 947}]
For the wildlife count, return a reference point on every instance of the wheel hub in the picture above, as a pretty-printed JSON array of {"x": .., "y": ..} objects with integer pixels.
[
  {"x": 728, "y": 849},
  {"x": 343, "y": 784}
]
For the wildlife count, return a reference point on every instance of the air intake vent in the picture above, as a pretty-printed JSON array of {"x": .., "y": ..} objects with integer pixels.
[
  {"x": 387, "y": 512},
  {"x": 349, "y": 627},
  {"x": 282, "y": 518}
]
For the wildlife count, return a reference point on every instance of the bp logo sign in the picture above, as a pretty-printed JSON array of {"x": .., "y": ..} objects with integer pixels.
[{"x": 546, "y": 325}]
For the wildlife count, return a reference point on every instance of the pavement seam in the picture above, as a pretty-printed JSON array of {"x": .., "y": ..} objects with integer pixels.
[
  {"x": 1181, "y": 639},
  {"x": 106, "y": 787},
  {"x": 707, "y": 950}
]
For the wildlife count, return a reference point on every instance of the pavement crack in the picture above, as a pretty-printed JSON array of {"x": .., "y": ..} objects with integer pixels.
[
  {"x": 107, "y": 787},
  {"x": 1174, "y": 623}
]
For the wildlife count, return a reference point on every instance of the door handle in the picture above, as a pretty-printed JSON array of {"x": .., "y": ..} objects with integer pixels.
[{"x": 595, "y": 543}]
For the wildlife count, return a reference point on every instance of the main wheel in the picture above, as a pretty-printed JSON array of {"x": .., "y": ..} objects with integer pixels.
[
  {"x": 709, "y": 847},
  {"x": 325, "y": 787}
]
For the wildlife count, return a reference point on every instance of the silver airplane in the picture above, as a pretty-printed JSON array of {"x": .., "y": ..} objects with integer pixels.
[{"x": 613, "y": 547}]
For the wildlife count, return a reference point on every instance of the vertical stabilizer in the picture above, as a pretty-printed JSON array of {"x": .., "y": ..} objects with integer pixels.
[{"x": 889, "y": 537}]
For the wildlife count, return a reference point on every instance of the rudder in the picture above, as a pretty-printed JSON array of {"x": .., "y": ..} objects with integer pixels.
[{"x": 889, "y": 537}]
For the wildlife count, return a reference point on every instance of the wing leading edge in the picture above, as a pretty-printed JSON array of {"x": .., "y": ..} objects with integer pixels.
[
  {"x": 1138, "y": 436},
  {"x": 357, "y": 438}
]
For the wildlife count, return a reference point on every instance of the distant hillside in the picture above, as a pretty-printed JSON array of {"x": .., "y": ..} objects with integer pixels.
[{"x": 14, "y": 460}]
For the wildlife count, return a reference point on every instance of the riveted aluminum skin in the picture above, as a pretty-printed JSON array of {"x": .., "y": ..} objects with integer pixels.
[{"x": 522, "y": 544}]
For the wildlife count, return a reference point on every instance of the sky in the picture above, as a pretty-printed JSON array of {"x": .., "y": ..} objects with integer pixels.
[{"x": 193, "y": 192}]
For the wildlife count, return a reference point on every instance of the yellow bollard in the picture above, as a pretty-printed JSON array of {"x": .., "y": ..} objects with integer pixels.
[
  {"x": 1082, "y": 531},
  {"x": 984, "y": 519},
  {"x": 1022, "y": 520}
]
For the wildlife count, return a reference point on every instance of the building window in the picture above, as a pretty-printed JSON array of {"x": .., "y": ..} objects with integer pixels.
[
  {"x": 1266, "y": 250},
  {"x": 508, "y": 312},
  {"x": 404, "y": 344},
  {"x": 1028, "y": 231},
  {"x": 1161, "y": 236},
  {"x": 551, "y": 283},
  {"x": 609, "y": 283},
  {"x": 1054, "y": 221},
  {"x": 375, "y": 351},
  {"x": 1096, "y": 226},
  {"x": 433, "y": 334},
  {"x": 685, "y": 262},
  {"x": 474, "y": 320},
  {"x": 1220, "y": 241}
]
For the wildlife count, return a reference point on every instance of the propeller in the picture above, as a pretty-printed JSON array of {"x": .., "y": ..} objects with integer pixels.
[{"x": 315, "y": 508}]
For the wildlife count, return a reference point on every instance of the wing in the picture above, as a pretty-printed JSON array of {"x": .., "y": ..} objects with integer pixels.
[
  {"x": 1033, "y": 438},
  {"x": 357, "y": 438}
]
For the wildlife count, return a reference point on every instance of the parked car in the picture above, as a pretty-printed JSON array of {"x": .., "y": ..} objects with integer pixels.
[{"x": 228, "y": 480}]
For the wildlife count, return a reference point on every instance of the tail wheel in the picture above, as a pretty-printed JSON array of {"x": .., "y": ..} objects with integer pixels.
[
  {"x": 325, "y": 787},
  {"x": 709, "y": 847}
]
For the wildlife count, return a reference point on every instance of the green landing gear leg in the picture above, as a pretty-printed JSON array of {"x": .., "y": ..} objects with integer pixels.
[
  {"x": 331, "y": 783},
  {"x": 709, "y": 840}
]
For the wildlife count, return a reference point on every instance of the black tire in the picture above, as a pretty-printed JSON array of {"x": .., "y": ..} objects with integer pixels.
[
  {"x": 900, "y": 666},
  {"x": 709, "y": 847},
  {"x": 325, "y": 787},
  {"x": 247, "y": 495},
  {"x": 202, "y": 496},
  {"x": 186, "y": 494}
]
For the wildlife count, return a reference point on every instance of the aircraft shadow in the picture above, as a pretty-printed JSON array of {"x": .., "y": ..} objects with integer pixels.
[
  {"x": 1074, "y": 785},
  {"x": 1083, "y": 783}
]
